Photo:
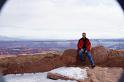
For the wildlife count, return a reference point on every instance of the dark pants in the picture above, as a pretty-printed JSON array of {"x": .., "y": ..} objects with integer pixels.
[{"x": 88, "y": 54}]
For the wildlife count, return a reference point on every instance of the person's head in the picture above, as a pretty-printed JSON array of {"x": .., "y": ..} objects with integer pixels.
[{"x": 83, "y": 35}]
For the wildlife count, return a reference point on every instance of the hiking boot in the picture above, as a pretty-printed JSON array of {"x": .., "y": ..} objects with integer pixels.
[
  {"x": 83, "y": 62},
  {"x": 92, "y": 66}
]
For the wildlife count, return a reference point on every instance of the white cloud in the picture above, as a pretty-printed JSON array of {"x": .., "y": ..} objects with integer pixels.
[{"x": 62, "y": 19}]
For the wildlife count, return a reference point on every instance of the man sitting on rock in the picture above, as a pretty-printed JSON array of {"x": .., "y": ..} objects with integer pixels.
[{"x": 84, "y": 46}]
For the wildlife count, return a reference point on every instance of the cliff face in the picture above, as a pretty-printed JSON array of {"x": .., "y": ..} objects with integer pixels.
[{"x": 45, "y": 62}]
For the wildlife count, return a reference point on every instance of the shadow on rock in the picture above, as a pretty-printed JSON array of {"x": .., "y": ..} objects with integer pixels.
[
  {"x": 2, "y": 79},
  {"x": 122, "y": 78}
]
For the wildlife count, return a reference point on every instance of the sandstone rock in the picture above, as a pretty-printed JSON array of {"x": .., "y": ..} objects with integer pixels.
[
  {"x": 116, "y": 58},
  {"x": 98, "y": 74},
  {"x": 100, "y": 54},
  {"x": 42, "y": 63},
  {"x": 105, "y": 74},
  {"x": 69, "y": 57}
]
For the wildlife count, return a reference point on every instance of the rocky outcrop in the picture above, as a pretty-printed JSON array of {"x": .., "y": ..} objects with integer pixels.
[
  {"x": 106, "y": 74},
  {"x": 69, "y": 57},
  {"x": 98, "y": 74},
  {"x": 45, "y": 62},
  {"x": 115, "y": 58},
  {"x": 100, "y": 54}
]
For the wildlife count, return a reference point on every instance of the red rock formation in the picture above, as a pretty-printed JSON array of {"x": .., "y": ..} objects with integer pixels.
[
  {"x": 105, "y": 74},
  {"x": 69, "y": 57},
  {"x": 98, "y": 74},
  {"x": 100, "y": 54},
  {"x": 115, "y": 58},
  {"x": 42, "y": 63}
]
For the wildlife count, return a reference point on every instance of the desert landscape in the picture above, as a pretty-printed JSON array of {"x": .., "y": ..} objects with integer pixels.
[
  {"x": 109, "y": 64},
  {"x": 40, "y": 40}
]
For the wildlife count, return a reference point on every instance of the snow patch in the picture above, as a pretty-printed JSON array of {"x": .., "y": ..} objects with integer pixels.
[
  {"x": 71, "y": 72},
  {"x": 31, "y": 77}
]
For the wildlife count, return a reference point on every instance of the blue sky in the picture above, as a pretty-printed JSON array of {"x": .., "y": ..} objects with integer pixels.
[{"x": 62, "y": 19}]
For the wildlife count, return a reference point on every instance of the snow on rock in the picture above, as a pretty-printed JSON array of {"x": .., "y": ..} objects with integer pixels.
[
  {"x": 68, "y": 73},
  {"x": 31, "y": 77}
]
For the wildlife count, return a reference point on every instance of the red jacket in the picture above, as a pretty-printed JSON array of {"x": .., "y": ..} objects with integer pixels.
[{"x": 82, "y": 43}]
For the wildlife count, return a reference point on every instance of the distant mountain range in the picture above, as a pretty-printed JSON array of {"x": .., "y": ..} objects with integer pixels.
[{"x": 5, "y": 38}]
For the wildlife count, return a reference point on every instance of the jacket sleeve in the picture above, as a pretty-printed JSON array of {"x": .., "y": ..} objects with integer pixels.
[
  {"x": 88, "y": 45},
  {"x": 79, "y": 45}
]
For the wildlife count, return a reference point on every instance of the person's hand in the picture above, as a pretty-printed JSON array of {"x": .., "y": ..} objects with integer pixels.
[
  {"x": 82, "y": 50},
  {"x": 86, "y": 51}
]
